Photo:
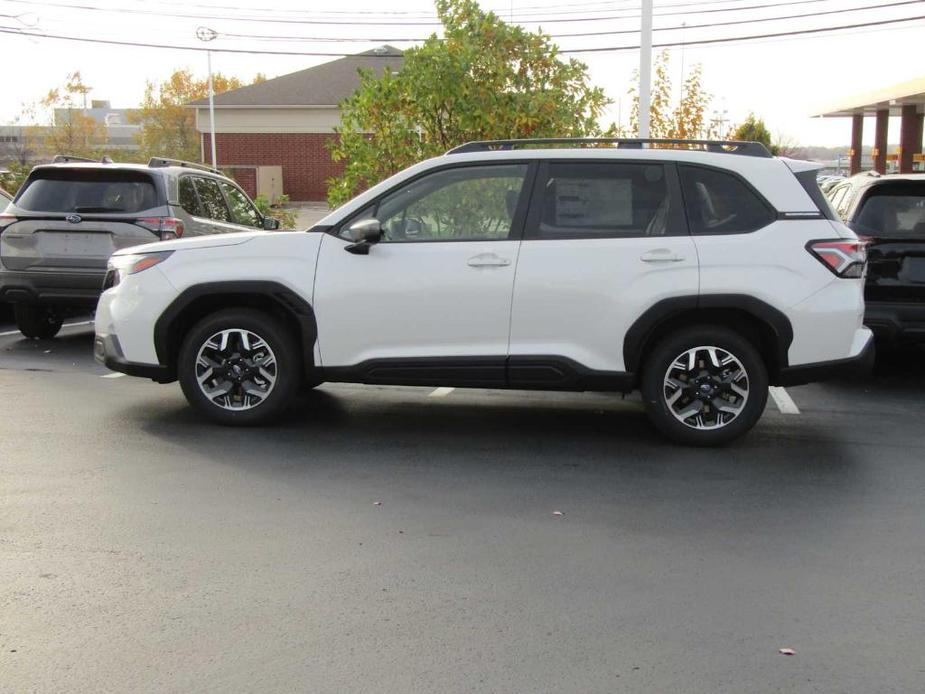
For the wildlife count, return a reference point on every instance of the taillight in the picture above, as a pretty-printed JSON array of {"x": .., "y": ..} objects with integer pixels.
[
  {"x": 843, "y": 257},
  {"x": 6, "y": 220},
  {"x": 165, "y": 227}
]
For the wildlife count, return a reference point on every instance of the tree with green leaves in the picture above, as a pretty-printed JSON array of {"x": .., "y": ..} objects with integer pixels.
[
  {"x": 753, "y": 129},
  {"x": 168, "y": 127},
  {"x": 484, "y": 79}
]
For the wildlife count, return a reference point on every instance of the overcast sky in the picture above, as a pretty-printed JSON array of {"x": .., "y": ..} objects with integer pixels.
[{"x": 784, "y": 80}]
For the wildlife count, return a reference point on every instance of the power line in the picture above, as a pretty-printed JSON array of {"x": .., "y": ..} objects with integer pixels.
[
  {"x": 336, "y": 22},
  {"x": 609, "y": 49},
  {"x": 321, "y": 39}
]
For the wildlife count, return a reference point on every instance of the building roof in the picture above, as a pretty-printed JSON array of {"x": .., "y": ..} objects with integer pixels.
[
  {"x": 893, "y": 98},
  {"x": 327, "y": 84}
]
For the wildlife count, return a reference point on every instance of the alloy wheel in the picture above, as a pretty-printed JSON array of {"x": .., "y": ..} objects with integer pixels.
[
  {"x": 706, "y": 387},
  {"x": 236, "y": 369}
]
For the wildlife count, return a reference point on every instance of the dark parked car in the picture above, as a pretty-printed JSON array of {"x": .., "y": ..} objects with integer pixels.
[
  {"x": 68, "y": 218},
  {"x": 889, "y": 210}
]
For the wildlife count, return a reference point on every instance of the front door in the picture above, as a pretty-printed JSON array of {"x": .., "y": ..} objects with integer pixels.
[{"x": 431, "y": 302}]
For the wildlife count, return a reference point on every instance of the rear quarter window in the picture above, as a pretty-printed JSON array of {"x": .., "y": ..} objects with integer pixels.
[
  {"x": 88, "y": 191},
  {"x": 719, "y": 202}
]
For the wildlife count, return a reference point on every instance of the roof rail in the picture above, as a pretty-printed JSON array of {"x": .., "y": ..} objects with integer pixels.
[
  {"x": 160, "y": 162},
  {"x": 68, "y": 158},
  {"x": 749, "y": 149}
]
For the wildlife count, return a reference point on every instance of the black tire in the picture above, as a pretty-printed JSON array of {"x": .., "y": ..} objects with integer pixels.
[
  {"x": 311, "y": 381},
  {"x": 655, "y": 395},
  {"x": 37, "y": 322},
  {"x": 288, "y": 366}
]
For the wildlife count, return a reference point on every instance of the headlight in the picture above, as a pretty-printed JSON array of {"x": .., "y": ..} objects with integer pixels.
[{"x": 123, "y": 265}]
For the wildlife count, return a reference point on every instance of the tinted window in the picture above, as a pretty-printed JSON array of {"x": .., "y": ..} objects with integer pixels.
[
  {"x": 893, "y": 212},
  {"x": 242, "y": 210},
  {"x": 188, "y": 198},
  {"x": 87, "y": 191},
  {"x": 810, "y": 184},
  {"x": 602, "y": 200},
  {"x": 718, "y": 202},
  {"x": 465, "y": 203},
  {"x": 212, "y": 199}
]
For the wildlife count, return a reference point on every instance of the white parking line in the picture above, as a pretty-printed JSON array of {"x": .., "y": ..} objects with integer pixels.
[
  {"x": 66, "y": 325},
  {"x": 113, "y": 375},
  {"x": 784, "y": 402},
  {"x": 440, "y": 392}
]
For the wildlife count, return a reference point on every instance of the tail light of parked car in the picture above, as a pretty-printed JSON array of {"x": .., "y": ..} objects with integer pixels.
[
  {"x": 165, "y": 227},
  {"x": 6, "y": 220},
  {"x": 845, "y": 258}
]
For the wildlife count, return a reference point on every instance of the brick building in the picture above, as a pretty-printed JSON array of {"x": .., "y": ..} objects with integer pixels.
[{"x": 287, "y": 122}]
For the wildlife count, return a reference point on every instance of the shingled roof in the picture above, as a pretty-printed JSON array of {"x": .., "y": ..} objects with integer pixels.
[{"x": 323, "y": 85}]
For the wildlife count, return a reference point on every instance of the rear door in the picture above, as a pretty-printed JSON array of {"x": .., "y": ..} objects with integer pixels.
[
  {"x": 196, "y": 219},
  {"x": 214, "y": 205},
  {"x": 75, "y": 218},
  {"x": 604, "y": 241},
  {"x": 892, "y": 214}
]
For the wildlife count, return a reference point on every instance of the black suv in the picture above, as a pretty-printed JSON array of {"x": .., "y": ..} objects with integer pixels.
[
  {"x": 889, "y": 211},
  {"x": 70, "y": 216}
]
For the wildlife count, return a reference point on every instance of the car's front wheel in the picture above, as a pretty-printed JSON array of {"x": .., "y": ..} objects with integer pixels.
[
  {"x": 239, "y": 367},
  {"x": 704, "y": 386},
  {"x": 37, "y": 322}
]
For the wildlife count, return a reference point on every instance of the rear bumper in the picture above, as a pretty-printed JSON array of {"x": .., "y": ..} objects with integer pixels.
[
  {"x": 896, "y": 321},
  {"x": 50, "y": 287},
  {"x": 108, "y": 351},
  {"x": 852, "y": 367}
]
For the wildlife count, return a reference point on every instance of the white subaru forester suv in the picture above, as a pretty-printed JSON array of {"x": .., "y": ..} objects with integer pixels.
[{"x": 698, "y": 272}]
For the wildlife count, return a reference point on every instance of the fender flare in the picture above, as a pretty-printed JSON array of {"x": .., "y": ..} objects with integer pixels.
[
  {"x": 643, "y": 328},
  {"x": 287, "y": 299}
]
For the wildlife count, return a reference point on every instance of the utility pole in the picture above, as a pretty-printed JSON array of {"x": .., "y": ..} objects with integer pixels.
[
  {"x": 206, "y": 34},
  {"x": 645, "y": 68}
]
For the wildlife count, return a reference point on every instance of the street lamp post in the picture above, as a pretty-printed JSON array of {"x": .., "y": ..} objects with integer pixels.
[{"x": 206, "y": 34}]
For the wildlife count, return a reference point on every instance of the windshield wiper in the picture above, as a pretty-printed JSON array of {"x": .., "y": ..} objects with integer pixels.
[{"x": 99, "y": 209}]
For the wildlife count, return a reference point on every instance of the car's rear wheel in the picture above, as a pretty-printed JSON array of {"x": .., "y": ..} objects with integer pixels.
[
  {"x": 239, "y": 367},
  {"x": 37, "y": 322},
  {"x": 704, "y": 386}
]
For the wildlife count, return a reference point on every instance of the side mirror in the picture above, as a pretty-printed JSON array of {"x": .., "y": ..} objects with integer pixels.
[
  {"x": 364, "y": 234},
  {"x": 270, "y": 223}
]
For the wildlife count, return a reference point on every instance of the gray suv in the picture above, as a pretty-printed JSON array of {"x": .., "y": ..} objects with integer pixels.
[{"x": 70, "y": 216}]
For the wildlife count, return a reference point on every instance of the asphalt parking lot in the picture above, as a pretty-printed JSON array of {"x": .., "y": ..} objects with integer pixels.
[{"x": 406, "y": 540}]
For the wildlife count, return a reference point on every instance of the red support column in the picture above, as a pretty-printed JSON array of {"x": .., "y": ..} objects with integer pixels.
[
  {"x": 910, "y": 138},
  {"x": 857, "y": 140},
  {"x": 881, "y": 132}
]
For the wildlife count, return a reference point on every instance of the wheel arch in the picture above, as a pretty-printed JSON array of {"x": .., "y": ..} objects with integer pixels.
[
  {"x": 759, "y": 322},
  {"x": 198, "y": 301}
]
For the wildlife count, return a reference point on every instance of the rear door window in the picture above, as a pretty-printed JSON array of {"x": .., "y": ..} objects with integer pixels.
[
  {"x": 601, "y": 200},
  {"x": 719, "y": 202},
  {"x": 212, "y": 199},
  {"x": 87, "y": 191},
  {"x": 189, "y": 200},
  {"x": 893, "y": 212},
  {"x": 242, "y": 209}
]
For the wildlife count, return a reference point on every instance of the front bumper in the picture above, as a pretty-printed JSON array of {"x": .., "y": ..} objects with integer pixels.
[
  {"x": 896, "y": 321},
  {"x": 852, "y": 367},
  {"x": 108, "y": 351}
]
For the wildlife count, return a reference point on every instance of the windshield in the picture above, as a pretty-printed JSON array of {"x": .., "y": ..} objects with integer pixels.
[
  {"x": 88, "y": 191},
  {"x": 893, "y": 212}
]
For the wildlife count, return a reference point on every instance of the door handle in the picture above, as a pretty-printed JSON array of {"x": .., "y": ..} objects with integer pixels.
[
  {"x": 487, "y": 260},
  {"x": 661, "y": 255}
]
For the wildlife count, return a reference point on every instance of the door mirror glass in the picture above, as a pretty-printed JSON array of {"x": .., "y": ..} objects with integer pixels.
[{"x": 270, "y": 223}]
